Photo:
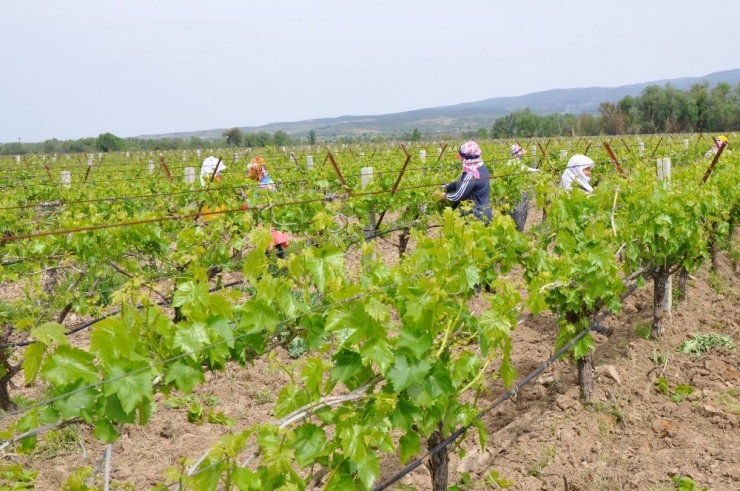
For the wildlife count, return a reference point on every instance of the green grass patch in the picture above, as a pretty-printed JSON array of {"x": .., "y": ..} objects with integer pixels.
[
  {"x": 701, "y": 343},
  {"x": 729, "y": 400}
]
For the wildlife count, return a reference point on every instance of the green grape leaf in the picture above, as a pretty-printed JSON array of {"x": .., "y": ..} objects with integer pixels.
[
  {"x": 313, "y": 375},
  {"x": 347, "y": 363},
  {"x": 50, "y": 332},
  {"x": 326, "y": 263},
  {"x": 68, "y": 365},
  {"x": 369, "y": 469},
  {"x": 405, "y": 372},
  {"x": 192, "y": 339},
  {"x": 256, "y": 315},
  {"x": 185, "y": 374},
  {"x": 261, "y": 238},
  {"x": 415, "y": 340},
  {"x": 223, "y": 328},
  {"x": 105, "y": 431},
  {"x": 219, "y": 305},
  {"x": 110, "y": 339},
  {"x": 244, "y": 479},
  {"x": 583, "y": 347},
  {"x": 409, "y": 445},
  {"x": 309, "y": 441},
  {"x": 130, "y": 381},
  {"x": 79, "y": 403},
  {"x": 376, "y": 309},
  {"x": 289, "y": 399},
  {"x": 114, "y": 410},
  {"x": 32, "y": 359},
  {"x": 191, "y": 297},
  {"x": 377, "y": 350},
  {"x": 48, "y": 415}
]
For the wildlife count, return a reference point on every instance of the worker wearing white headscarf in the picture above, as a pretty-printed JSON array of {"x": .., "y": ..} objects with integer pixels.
[
  {"x": 206, "y": 170},
  {"x": 578, "y": 172}
]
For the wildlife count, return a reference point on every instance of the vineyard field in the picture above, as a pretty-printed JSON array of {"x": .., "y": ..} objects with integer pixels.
[{"x": 153, "y": 338}]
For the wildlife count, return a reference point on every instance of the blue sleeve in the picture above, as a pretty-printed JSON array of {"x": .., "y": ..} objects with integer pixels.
[{"x": 463, "y": 188}]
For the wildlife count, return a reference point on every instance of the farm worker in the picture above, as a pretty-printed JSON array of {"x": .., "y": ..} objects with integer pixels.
[
  {"x": 718, "y": 142},
  {"x": 257, "y": 171},
  {"x": 474, "y": 183},
  {"x": 578, "y": 172},
  {"x": 519, "y": 214},
  {"x": 210, "y": 165}
]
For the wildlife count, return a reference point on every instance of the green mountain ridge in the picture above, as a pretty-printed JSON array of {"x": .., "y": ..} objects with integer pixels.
[{"x": 464, "y": 116}]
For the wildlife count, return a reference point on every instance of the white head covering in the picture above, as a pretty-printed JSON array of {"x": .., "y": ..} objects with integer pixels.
[
  {"x": 574, "y": 172},
  {"x": 206, "y": 170}
]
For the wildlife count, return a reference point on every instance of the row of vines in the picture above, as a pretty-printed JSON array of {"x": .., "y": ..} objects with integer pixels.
[{"x": 395, "y": 359}]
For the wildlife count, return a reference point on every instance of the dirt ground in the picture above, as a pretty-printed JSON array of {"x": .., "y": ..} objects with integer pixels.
[{"x": 632, "y": 438}]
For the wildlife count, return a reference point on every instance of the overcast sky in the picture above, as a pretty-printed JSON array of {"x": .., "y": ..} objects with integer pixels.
[{"x": 78, "y": 68}]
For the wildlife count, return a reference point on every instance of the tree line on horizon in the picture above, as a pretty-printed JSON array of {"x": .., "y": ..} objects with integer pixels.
[{"x": 656, "y": 110}]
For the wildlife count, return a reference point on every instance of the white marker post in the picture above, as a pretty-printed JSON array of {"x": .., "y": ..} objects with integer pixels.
[
  {"x": 309, "y": 162},
  {"x": 190, "y": 175},
  {"x": 663, "y": 167},
  {"x": 66, "y": 179},
  {"x": 150, "y": 166}
]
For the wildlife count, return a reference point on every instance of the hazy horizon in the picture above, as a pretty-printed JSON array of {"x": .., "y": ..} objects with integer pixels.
[{"x": 81, "y": 68}]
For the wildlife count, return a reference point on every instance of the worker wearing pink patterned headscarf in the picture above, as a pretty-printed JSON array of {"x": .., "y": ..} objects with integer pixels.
[{"x": 474, "y": 183}]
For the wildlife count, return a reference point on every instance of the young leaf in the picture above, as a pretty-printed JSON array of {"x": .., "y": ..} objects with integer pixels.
[
  {"x": 68, "y": 365},
  {"x": 409, "y": 445},
  {"x": 185, "y": 374},
  {"x": 33, "y": 357},
  {"x": 50, "y": 332},
  {"x": 308, "y": 443},
  {"x": 405, "y": 372}
]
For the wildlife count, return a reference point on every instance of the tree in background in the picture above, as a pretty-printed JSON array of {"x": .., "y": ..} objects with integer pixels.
[
  {"x": 504, "y": 127},
  {"x": 312, "y": 137},
  {"x": 281, "y": 138},
  {"x": 51, "y": 146},
  {"x": 259, "y": 139},
  {"x": 108, "y": 142},
  {"x": 415, "y": 135},
  {"x": 233, "y": 137}
]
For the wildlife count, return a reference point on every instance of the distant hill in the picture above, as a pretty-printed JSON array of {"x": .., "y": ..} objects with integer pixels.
[{"x": 468, "y": 115}]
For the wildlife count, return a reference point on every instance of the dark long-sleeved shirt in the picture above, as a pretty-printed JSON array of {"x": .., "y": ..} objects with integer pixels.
[{"x": 477, "y": 190}]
